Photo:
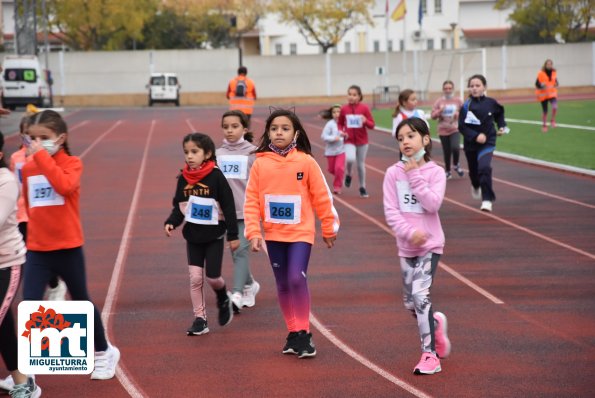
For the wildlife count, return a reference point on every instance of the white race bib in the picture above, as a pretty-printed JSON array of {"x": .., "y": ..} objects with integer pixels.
[
  {"x": 354, "y": 121},
  {"x": 282, "y": 209},
  {"x": 449, "y": 110},
  {"x": 41, "y": 192},
  {"x": 233, "y": 166},
  {"x": 204, "y": 211},
  {"x": 408, "y": 202},
  {"x": 472, "y": 119}
]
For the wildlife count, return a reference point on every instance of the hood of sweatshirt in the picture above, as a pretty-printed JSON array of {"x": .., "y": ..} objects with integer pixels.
[
  {"x": 240, "y": 147},
  {"x": 293, "y": 156}
]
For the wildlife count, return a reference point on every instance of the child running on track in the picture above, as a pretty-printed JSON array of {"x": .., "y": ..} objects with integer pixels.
[
  {"x": 285, "y": 188},
  {"x": 406, "y": 108},
  {"x": 56, "y": 287},
  {"x": 335, "y": 148},
  {"x": 202, "y": 195},
  {"x": 235, "y": 158},
  {"x": 446, "y": 111},
  {"x": 355, "y": 118},
  {"x": 12, "y": 256},
  {"x": 476, "y": 122},
  {"x": 51, "y": 187},
  {"x": 413, "y": 193}
]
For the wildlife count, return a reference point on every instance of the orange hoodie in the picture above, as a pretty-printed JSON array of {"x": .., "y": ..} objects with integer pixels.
[
  {"x": 51, "y": 188},
  {"x": 17, "y": 161},
  {"x": 279, "y": 185}
]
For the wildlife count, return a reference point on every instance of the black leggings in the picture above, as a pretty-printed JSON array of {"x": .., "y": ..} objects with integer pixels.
[
  {"x": 68, "y": 264},
  {"x": 9, "y": 283},
  {"x": 23, "y": 230},
  {"x": 450, "y": 145},
  {"x": 208, "y": 255}
]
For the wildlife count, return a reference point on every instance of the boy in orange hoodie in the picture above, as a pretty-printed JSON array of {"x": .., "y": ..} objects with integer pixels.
[{"x": 285, "y": 188}]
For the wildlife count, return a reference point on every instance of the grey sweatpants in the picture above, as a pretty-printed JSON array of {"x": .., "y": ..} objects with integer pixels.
[
  {"x": 241, "y": 264},
  {"x": 357, "y": 153}
]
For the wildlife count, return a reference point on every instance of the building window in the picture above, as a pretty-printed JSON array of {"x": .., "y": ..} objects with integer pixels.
[
  {"x": 279, "y": 49},
  {"x": 443, "y": 44},
  {"x": 430, "y": 44},
  {"x": 347, "y": 47},
  {"x": 424, "y": 6},
  {"x": 293, "y": 49},
  {"x": 438, "y": 6},
  {"x": 376, "y": 46},
  {"x": 390, "y": 46},
  {"x": 401, "y": 45}
]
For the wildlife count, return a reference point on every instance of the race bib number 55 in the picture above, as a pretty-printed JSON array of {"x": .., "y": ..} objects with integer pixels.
[{"x": 408, "y": 202}]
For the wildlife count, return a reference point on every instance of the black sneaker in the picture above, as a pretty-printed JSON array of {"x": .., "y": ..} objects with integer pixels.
[
  {"x": 459, "y": 171},
  {"x": 291, "y": 346},
  {"x": 363, "y": 193},
  {"x": 306, "y": 346},
  {"x": 347, "y": 181},
  {"x": 225, "y": 311},
  {"x": 199, "y": 326}
]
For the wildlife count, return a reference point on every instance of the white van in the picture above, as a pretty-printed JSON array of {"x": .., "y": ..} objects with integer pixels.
[
  {"x": 164, "y": 87},
  {"x": 25, "y": 82}
]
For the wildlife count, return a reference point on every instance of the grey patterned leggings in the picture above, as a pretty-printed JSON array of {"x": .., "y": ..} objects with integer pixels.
[{"x": 418, "y": 275}]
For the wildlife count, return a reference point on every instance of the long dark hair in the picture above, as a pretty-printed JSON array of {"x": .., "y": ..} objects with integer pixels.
[
  {"x": 302, "y": 142},
  {"x": 327, "y": 114},
  {"x": 202, "y": 141},
  {"x": 420, "y": 126},
  {"x": 248, "y": 136},
  {"x": 403, "y": 97},
  {"x": 52, "y": 121},
  {"x": 2, "y": 162}
]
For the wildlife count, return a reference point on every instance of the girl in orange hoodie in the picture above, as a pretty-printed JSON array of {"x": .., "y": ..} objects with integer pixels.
[{"x": 285, "y": 188}]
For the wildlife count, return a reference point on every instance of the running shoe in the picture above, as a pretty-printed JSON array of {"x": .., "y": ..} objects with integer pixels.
[
  {"x": 225, "y": 311},
  {"x": 306, "y": 346},
  {"x": 553, "y": 124},
  {"x": 459, "y": 171},
  {"x": 236, "y": 301},
  {"x": 428, "y": 364},
  {"x": 363, "y": 193},
  {"x": 105, "y": 363},
  {"x": 347, "y": 181},
  {"x": 291, "y": 344},
  {"x": 7, "y": 383},
  {"x": 199, "y": 326},
  {"x": 475, "y": 192},
  {"x": 448, "y": 175},
  {"x": 441, "y": 336},
  {"x": 249, "y": 294},
  {"x": 26, "y": 390},
  {"x": 57, "y": 293},
  {"x": 486, "y": 206}
]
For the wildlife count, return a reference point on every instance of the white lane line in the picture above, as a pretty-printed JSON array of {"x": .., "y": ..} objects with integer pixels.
[
  {"x": 102, "y": 136},
  {"x": 112, "y": 293},
  {"x": 569, "y": 126},
  {"x": 364, "y": 361}
]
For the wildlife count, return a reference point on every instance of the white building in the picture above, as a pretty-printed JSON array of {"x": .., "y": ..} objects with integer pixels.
[{"x": 445, "y": 24}]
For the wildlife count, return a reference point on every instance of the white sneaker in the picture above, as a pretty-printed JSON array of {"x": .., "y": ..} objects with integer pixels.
[
  {"x": 7, "y": 383},
  {"x": 26, "y": 390},
  {"x": 236, "y": 299},
  {"x": 57, "y": 293},
  {"x": 105, "y": 363},
  {"x": 250, "y": 292},
  {"x": 475, "y": 193},
  {"x": 486, "y": 205}
]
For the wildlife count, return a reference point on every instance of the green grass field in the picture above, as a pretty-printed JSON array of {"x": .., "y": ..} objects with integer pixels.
[{"x": 570, "y": 146}]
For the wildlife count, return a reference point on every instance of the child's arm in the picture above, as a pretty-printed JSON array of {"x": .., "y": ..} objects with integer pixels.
[
  {"x": 499, "y": 115},
  {"x": 252, "y": 209},
  {"x": 341, "y": 120},
  {"x": 392, "y": 211},
  {"x": 322, "y": 201},
  {"x": 437, "y": 109},
  {"x": 176, "y": 217},
  {"x": 469, "y": 133},
  {"x": 430, "y": 193},
  {"x": 65, "y": 179},
  {"x": 328, "y": 135},
  {"x": 228, "y": 208},
  {"x": 9, "y": 193},
  {"x": 370, "y": 123}
]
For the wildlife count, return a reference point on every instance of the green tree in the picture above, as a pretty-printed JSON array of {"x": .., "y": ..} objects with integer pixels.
[
  {"x": 547, "y": 21},
  {"x": 324, "y": 22},
  {"x": 99, "y": 24}
]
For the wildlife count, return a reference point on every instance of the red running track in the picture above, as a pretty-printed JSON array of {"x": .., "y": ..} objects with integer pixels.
[{"x": 518, "y": 286}]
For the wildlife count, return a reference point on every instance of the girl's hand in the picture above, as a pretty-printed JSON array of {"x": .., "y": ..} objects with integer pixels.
[
  {"x": 256, "y": 244},
  {"x": 481, "y": 138},
  {"x": 34, "y": 147},
  {"x": 419, "y": 238},
  {"x": 364, "y": 120},
  {"x": 234, "y": 244},
  {"x": 411, "y": 164},
  {"x": 330, "y": 242},
  {"x": 168, "y": 229}
]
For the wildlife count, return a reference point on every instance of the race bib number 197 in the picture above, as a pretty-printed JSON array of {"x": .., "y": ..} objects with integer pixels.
[{"x": 41, "y": 192}]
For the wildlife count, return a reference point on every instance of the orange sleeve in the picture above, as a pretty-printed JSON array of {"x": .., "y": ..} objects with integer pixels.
[
  {"x": 252, "y": 204},
  {"x": 65, "y": 179}
]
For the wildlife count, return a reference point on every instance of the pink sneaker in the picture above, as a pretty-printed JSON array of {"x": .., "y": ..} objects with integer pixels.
[
  {"x": 428, "y": 364},
  {"x": 544, "y": 129},
  {"x": 440, "y": 337},
  {"x": 553, "y": 124}
]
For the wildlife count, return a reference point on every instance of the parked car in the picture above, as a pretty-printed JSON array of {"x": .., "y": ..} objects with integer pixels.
[
  {"x": 25, "y": 82},
  {"x": 164, "y": 87}
]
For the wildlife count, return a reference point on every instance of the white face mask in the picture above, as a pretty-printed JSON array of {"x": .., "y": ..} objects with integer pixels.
[
  {"x": 417, "y": 156},
  {"x": 50, "y": 146}
]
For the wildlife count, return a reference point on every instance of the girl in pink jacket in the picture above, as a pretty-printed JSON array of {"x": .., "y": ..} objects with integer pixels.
[{"x": 413, "y": 193}]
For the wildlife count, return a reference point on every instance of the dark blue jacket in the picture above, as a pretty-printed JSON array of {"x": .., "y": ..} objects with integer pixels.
[{"x": 487, "y": 111}]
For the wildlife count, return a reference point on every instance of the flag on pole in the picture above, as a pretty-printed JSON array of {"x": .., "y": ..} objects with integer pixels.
[
  {"x": 399, "y": 12},
  {"x": 420, "y": 13}
]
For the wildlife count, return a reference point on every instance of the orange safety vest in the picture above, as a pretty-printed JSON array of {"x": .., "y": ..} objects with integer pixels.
[
  {"x": 549, "y": 89},
  {"x": 244, "y": 104}
]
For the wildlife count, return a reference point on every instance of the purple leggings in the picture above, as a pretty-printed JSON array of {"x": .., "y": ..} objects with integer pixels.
[{"x": 290, "y": 266}]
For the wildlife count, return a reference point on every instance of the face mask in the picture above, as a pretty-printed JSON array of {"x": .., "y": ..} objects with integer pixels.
[
  {"x": 50, "y": 146},
  {"x": 449, "y": 95},
  {"x": 417, "y": 156}
]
